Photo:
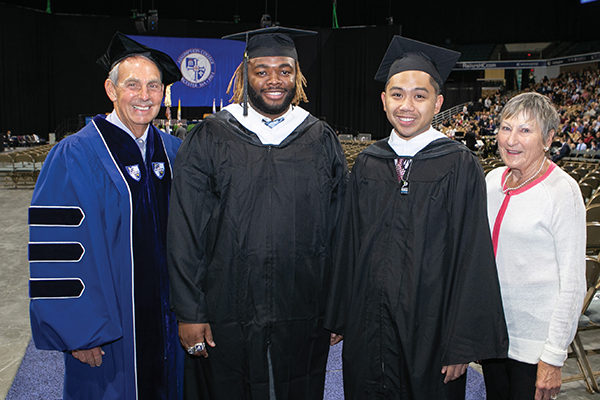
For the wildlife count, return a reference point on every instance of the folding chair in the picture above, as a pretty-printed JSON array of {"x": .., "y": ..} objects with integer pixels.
[
  {"x": 24, "y": 168},
  {"x": 575, "y": 175},
  {"x": 38, "y": 159},
  {"x": 576, "y": 153},
  {"x": 592, "y": 246},
  {"x": 594, "y": 200},
  {"x": 591, "y": 180},
  {"x": 582, "y": 169},
  {"x": 592, "y": 275},
  {"x": 586, "y": 191},
  {"x": 7, "y": 169},
  {"x": 594, "y": 173},
  {"x": 592, "y": 213}
]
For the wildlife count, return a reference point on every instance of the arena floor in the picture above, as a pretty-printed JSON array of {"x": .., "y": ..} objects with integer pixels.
[{"x": 14, "y": 327}]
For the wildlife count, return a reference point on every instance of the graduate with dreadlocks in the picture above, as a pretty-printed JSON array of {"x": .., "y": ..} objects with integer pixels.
[{"x": 257, "y": 193}]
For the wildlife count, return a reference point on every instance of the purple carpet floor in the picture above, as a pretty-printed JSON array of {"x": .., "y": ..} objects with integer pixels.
[{"x": 40, "y": 376}]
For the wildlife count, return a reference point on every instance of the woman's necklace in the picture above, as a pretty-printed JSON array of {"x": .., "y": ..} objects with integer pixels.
[{"x": 524, "y": 183}]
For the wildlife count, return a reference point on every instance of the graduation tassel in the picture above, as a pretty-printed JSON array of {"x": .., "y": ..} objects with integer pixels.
[
  {"x": 214, "y": 106},
  {"x": 168, "y": 104},
  {"x": 245, "y": 90}
]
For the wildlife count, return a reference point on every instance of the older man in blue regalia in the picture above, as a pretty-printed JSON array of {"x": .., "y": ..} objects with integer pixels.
[{"x": 99, "y": 285}]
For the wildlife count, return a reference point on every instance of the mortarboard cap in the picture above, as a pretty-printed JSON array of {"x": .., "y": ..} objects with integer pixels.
[
  {"x": 275, "y": 41},
  {"x": 121, "y": 47},
  {"x": 405, "y": 54}
]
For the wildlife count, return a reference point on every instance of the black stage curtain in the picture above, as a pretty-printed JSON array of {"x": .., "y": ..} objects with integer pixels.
[
  {"x": 48, "y": 74},
  {"x": 350, "y": 97},
  {"x": 49, "y": 77},
  {"x": 47, "y": 69},
  {"x": 25, "y": 71}
]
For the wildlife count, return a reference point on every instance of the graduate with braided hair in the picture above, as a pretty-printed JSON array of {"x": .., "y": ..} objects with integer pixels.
[{"x": 257, "y": 194}]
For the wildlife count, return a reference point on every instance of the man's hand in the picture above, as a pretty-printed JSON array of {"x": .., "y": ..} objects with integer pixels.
[
  {"x": 92, "y": 357},
  {"x": 548, "y": 381},
  {"x": 335, "y": 339},
  {"x": 190, "y": 334},
  {"x": 453, "y": 371}
]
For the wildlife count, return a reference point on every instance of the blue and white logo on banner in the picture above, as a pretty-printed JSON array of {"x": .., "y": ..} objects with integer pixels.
[
  {"x": 207, "y": 65},
  {"x": 197, "y": 67}
]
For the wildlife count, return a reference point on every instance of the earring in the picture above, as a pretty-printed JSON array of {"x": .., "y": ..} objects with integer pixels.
[{"x": 546, "y": 148}]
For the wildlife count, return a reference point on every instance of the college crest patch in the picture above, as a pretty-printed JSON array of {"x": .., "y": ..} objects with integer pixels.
[
  {"x": 159, "y": 169},
  {"x": 134, "y": 171}
]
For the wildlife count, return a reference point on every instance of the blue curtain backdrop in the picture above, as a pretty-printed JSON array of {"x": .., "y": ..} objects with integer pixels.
[{"x": 207, "y": 65}]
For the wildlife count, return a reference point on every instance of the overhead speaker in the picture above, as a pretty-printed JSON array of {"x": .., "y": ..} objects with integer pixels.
[
  {"x": 152, "y": 21},
  {"x": 140, "y": 22}
]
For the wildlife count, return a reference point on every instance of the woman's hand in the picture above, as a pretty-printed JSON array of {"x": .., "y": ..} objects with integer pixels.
[{"x": 548, "y": 381}]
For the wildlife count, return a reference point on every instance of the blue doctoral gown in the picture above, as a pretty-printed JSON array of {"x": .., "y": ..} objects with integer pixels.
[{"x": 97, "y": 258}]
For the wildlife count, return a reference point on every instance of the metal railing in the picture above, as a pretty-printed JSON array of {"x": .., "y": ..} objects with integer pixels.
[{"x": 446, "y": 114}]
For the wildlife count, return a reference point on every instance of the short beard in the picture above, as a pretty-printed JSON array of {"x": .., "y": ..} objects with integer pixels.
[{"x": 258, "y": 102}]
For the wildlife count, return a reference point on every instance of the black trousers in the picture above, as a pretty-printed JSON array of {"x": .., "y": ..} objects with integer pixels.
[{"x": 507, "y": 379}]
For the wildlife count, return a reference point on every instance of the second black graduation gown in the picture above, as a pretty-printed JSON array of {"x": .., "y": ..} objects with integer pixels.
[
  {"x": 415, "y": 285},
  {"x": 249, "y": 242}
]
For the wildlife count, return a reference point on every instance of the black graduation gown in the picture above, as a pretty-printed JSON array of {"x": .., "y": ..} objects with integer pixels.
[
  {"x": 249, "y": 244},
  {"x": 415, "y": 285}
]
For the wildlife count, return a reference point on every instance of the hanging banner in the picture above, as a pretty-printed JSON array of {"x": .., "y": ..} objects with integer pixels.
[
  {"x": 207, "y": 65},
  {"x": 525, "y": 64}
]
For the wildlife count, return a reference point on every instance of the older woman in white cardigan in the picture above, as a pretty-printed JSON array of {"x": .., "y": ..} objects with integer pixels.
[{"x": 537, "y": 218}]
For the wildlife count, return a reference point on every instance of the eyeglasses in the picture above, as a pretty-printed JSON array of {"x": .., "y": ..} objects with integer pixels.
[{"x": 135, "y": 86}]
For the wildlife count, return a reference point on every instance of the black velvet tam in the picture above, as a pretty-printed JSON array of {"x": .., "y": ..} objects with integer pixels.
[
  {"x": 121, "y": 47},
  {"x": 405, "y": 54},
  {"x": 276, "y": 41}
]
